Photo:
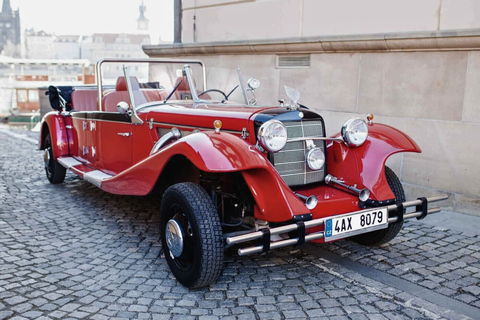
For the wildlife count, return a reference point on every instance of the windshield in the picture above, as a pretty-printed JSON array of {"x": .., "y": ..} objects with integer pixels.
[
  {"x": 149, "y": 80},
  {"x": 139, "y": 82}
]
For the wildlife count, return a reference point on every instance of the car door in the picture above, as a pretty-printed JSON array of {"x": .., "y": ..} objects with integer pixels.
[
  {"x": 80, "y": 126},
  {"x": 110, "y": 139}
]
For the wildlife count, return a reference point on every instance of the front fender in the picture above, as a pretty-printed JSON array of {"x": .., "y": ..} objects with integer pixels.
[
  {"x": 54, "y": 123},
  {"x": 222, "y": 153},
  {"x": 364, "y": 165}
]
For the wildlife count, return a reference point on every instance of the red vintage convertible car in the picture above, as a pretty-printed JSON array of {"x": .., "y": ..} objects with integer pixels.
[{"x": 258, "y": 177}]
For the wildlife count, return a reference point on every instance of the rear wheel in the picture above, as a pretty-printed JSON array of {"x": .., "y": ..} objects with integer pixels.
[
  {"x": 191, "y": 235},
  {"x": 385, "y": 235},
  {"x": 55, "y": 171}
]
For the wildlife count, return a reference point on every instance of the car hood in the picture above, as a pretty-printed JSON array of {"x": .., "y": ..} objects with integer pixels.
[{"x": 201, "y": 116}]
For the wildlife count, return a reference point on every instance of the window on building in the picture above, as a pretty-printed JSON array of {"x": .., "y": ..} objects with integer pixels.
[
  {"x": 22, "y": 95},
  {"x": 33, "y": 95}
]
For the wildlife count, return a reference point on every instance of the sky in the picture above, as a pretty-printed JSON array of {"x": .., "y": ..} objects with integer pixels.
[{"x": 84, "y": 17}]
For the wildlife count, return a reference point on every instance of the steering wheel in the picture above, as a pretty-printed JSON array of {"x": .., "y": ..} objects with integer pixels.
[{"x": 214, "y": 90}]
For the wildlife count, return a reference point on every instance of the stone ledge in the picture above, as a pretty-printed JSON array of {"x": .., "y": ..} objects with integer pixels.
[{"x": 451, "y": 40}]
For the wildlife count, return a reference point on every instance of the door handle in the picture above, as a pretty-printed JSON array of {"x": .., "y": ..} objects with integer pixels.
[{"x": 124, "y": 134}]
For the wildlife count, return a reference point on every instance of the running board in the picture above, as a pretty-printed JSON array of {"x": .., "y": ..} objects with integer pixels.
[
  {"x": 95, "y": 177},
  {"x": 69, "y": 162},
  {"x": 264, "y": 235}
]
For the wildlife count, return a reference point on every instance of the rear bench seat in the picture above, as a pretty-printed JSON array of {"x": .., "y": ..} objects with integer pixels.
[{"x": 84, "y": 100}]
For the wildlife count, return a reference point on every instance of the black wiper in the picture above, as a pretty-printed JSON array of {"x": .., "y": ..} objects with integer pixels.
[
  {"x": 228, "y": 95},
  {"x": 171, "y": 93}
]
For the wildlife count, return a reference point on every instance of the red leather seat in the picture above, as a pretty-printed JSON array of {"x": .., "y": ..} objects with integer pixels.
[
  {"x": 84, "y": 100},
  {"x": 111, "y": 99}
]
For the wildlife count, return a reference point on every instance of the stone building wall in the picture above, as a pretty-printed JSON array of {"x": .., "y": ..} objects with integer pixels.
[
  {"x": 414, "y": 64},
  {"x": 227, "y": 20},
  {"x": 431, "y": 92}
]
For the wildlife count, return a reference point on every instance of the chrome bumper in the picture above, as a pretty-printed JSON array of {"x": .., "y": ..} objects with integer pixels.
[{"x": 420, "y": 212}]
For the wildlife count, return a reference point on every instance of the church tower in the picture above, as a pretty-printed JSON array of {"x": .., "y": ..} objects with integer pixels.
[
  {"x": 6, "y": 8},
  {"x": 9, "y": 29},
  {"x": 142, "y": 21}
]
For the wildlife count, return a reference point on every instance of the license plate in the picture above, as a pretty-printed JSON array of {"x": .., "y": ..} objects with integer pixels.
[{"x": 350, "y": 224}]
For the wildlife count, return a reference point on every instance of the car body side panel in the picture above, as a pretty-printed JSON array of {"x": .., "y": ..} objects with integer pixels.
[
  {"x": 215, "y": 152},
  {"x": 364, "y": 166},
  {"x": 56, "y": 124}
]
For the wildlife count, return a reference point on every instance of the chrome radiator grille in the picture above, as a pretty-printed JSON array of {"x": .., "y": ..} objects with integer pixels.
[{"x": 290, "y": 161}]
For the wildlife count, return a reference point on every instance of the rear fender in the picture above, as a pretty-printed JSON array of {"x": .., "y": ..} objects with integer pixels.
[
  {"x": 54, "y": 123},
  {"x": 364, "y": 165},
  {"x": 221, "y": 153}
]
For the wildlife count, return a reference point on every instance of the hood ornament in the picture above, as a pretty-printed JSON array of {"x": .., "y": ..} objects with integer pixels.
[{"x": 294, "y": 96}]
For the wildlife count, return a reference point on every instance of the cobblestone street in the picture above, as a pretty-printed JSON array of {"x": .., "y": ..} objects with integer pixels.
[{"x": 74, "y": 251}]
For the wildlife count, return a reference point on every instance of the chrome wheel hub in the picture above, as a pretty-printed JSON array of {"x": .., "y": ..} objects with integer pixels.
[
  {"x": 46, "y": 157},
  {"x": 174, "y": 237}
]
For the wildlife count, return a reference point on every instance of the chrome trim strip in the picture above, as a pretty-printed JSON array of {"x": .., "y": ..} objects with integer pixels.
[
  {"x": 96, "y": 177},
  {"x": 296, "y": 174},
  {"x": 315, "y": 138},
  {"x": 68, "y": 162},
  {"x": 111, "y": 121},
  {"x": 192, "y": 127},
  {"x": 290, "y": 162}
]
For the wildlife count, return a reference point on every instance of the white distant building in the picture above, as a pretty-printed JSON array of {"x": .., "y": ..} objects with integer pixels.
[
  {"x": 42, "y": 45},
  {"x": 117, "y": 45},
  {"x": 38, "y": 44},
  {"x": 67, "y": 47}
]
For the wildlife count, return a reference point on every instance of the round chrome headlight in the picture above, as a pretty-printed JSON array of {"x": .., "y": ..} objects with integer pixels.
[
  {"x": 253, "y": 83},
  {"x": 272, "y": 136},
  {"x": 315, "y": 159},
  {"x": 355, "y": 132}
]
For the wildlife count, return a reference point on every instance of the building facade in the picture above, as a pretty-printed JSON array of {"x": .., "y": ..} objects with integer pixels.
[{"x": 413, "y": 64}]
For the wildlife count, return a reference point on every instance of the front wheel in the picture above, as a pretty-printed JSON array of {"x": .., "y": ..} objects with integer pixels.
[
  {"x": 55, "y": 171},
  {"x": 191, "y": 235},
  {"x": 385, "y": 235}
]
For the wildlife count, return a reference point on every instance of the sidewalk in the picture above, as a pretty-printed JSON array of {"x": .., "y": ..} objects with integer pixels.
[{"x": 464, "y": 223}]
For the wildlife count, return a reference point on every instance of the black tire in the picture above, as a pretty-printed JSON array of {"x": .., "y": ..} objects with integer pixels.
[
  {"x": 385, "y": 235},
  {"x": 199, "y": 261},
  {"x": 55, "y": 171}
]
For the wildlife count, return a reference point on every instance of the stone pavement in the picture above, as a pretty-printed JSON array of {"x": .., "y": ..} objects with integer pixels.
[{"x": 72, "y": 251}]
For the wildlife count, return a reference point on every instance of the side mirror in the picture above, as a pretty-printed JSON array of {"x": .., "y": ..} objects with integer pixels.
[{"x": 122, "y": 107}]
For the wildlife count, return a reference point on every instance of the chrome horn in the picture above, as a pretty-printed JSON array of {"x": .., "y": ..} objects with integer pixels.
[
  {"x": 363, "y": 194},
  {"x": 310, "y": 202}
]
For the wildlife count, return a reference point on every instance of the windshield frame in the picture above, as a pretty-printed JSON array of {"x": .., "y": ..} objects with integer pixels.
[{"x": 149, "y": 62}]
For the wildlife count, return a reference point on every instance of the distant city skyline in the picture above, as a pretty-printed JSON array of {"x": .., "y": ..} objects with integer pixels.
[{"x": 86, "y": 17}]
